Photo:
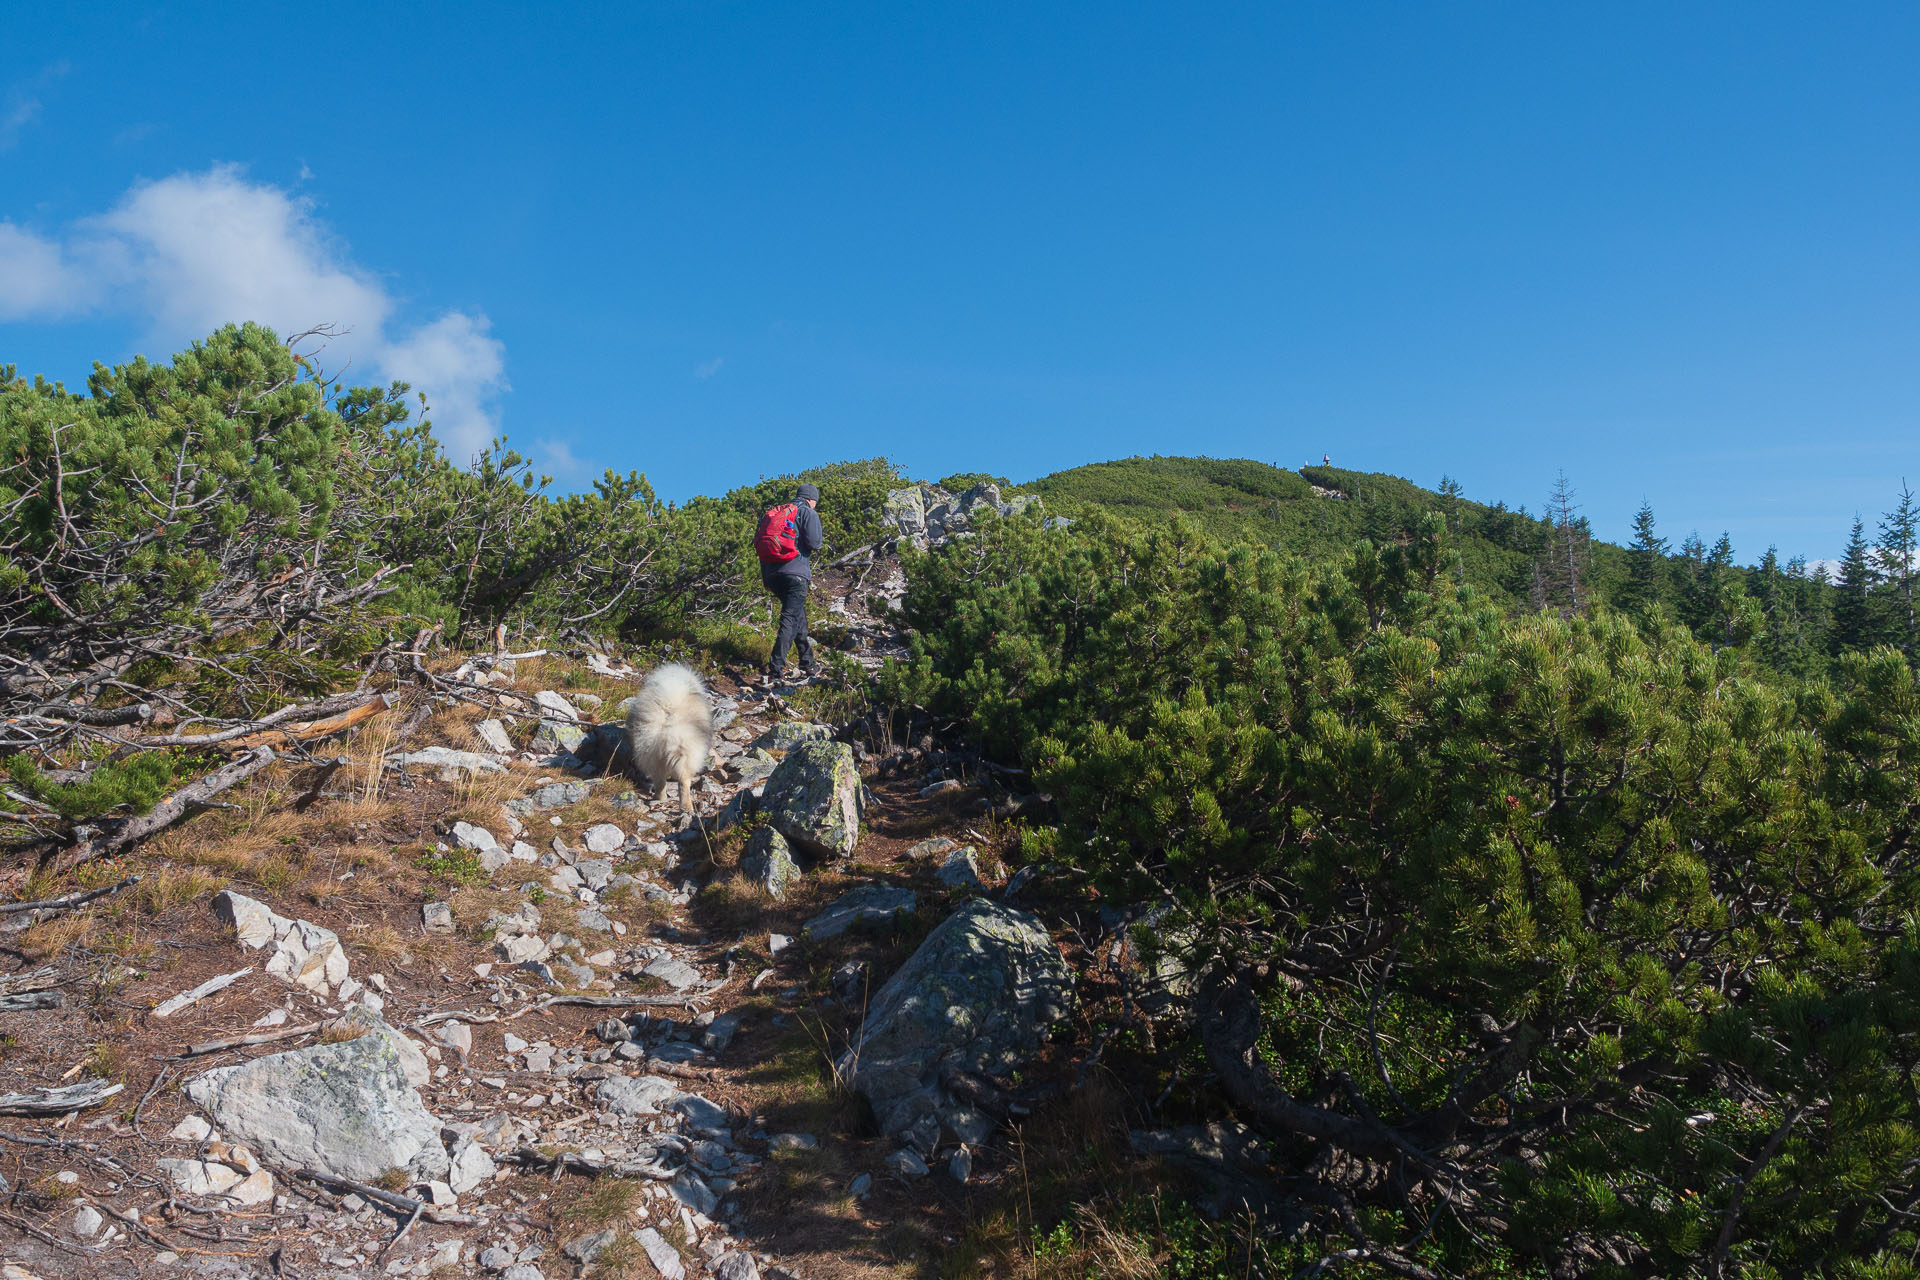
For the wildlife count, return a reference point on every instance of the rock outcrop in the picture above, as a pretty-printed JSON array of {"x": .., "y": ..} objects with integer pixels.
[
  {"x": 978, "y": 996},
  {"x": 344, "y": 1109}
]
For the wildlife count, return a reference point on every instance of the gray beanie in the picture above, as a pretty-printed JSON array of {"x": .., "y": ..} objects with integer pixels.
[{"x": 808, "y": 493}]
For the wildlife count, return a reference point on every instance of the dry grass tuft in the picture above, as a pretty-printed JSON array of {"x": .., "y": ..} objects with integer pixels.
[{"x": 167, "y": 887}]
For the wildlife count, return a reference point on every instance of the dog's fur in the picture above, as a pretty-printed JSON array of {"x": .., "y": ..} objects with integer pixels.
[{"x": 670, "y": 730}]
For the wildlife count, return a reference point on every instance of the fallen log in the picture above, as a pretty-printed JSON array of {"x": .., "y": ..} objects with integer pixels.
[
  {"x": 69, "y": 901},
  {"x": 241, "y": 1042},
  {"x": 29, "y": 1000},
  {"x": 391, "y": 1199},
  {"x": 319, "y": 728},
  {"x": 168, "y": 1008},
  {"x": 114, "y": 836},
  {"x": 58, "y": 1101}
]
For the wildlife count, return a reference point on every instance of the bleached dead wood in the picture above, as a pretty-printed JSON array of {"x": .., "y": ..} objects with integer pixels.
[
  {"x": 58, "y": 1101},
  {"x": 168, "y": 1008}
]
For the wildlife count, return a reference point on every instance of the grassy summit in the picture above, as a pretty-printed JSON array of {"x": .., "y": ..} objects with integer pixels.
[{"x": 1319, "y": 512}]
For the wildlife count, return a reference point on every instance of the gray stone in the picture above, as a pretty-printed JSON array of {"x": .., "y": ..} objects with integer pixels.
[
  {"x": 869, "y": 905},
  {"x": 734, "y": 1265},
  {"x": 493, "y": 736},
  {"x": 678, "y": 1051},
  {"x": 523, "y": 1271},
  {"x": 1020, "y": 503},
  {"x": 555, "y": 795},
  {"x": 595, "y": 920},
  {"x": 413, "y": 1063},
  {"x": 584, "y": 1249},
  {"x": 788, "y": 734},
  {"x": 470, "y": 1166},
  {"x": 859, "y": 1187},
  {"x": 468, "y": 836},
  {"x": 769, "y": 863},
  {"x": 960, "y": 871},
  {"x": 720, "y": 1032},
  {"x": 604, "y": 837},
  {"x": 437, "y": 917},
  {"x": 503, "y": 924},
  {"x": 451, "y": 765},
  {"x": 905, "y": 511},
  {"x": 673, "y": 971},
  {"x": 303, "y": 953},
  {"x": 496, "y": 1258},
  {"x": 813, "y": 798},
  {"x": 664, "y": 1257},
  {"x": 979, "y": 994},
  {"x": 938, "y": 846},
  {"x": 344, "y": 1109},
  {"x": 456, "y": 1035},
  {"x": 561, "y": 728},
  {"x": 906, "y": 1164},
  {"x": 595, "y": 873},
  {"x": 751, "y": 770},
  {"x": 87, "y": 1222},
  {"x": 688, "y": 1188},
  {"x": 960, "y": 1167},
  {"x": 701, "y": 1116},
  {"x": 636, "y": 1095},
  {"x": 792, "y": 1142}
]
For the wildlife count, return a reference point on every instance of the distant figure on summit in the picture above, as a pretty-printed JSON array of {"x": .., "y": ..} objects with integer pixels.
[
  {"x": 789, "y": 534},
  {"x": 1326, "y": 459}
]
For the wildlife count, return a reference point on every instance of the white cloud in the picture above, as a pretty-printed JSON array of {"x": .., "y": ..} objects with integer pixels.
[
  {"x": 192, "y": 252},
  {"x": 22, "y": 107},
  {"x": 456, "y": 356},
  {"x": 708, "y": 368},
  {"x": 556, "y": 458},
  {"x": 35, "y": 277}
]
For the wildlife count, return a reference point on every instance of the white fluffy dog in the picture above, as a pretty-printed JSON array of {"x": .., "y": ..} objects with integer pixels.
[{"x": 670, "y": 730}]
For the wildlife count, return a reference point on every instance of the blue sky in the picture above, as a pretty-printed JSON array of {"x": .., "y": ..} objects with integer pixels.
[{"x": 1673, "y": 250}]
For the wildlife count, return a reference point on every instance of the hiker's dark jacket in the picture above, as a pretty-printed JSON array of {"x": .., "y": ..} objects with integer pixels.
[{"x": 807, "y": 537}]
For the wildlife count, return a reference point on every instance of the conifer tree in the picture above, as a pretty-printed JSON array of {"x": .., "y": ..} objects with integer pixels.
[
  {"x": 1895, "y": 560},
  {"x": 1642, "y": 595},
  {"x": 1853, "y": 612}
]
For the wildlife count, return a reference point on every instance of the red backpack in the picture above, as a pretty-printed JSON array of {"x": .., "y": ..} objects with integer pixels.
[{"x": 777, "y": 540}]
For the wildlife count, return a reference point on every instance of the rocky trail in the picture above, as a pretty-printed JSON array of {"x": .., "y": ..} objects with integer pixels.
[{"x": 464, "y": 1001}]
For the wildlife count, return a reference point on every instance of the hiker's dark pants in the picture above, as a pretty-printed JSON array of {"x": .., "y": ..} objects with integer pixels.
[{"x": 791, "y": 589}]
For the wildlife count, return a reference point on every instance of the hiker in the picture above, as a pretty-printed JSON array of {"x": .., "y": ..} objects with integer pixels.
[{"x": 789, "y": 534}]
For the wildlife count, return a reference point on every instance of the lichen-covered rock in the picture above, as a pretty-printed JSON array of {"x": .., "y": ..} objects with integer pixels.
[
  {"x": 769, "y": 863},
  {"x": 905, "y": 511},
  {"x": 979, "y": 995},
  {"x": 789, "y": 734},
  {"x": 345, "y": 1109},
  {"x": 868, "y": 905},
  {"x": 561, "y": 728},
  {"x": 813, "y": 798}
]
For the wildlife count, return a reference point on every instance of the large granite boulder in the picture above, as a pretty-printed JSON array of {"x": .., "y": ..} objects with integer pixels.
[
  {"x": 979, "y": 996},
  {"x": 345, "y": 1109},
  {"x": 813, "y": 798}
]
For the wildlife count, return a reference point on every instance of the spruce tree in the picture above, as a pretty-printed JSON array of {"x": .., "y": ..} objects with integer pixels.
[
  {"x": 1896, "y": 562},
  {"x": 1642, "y": 595},
  {"x": 1853, "y": 613}
]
